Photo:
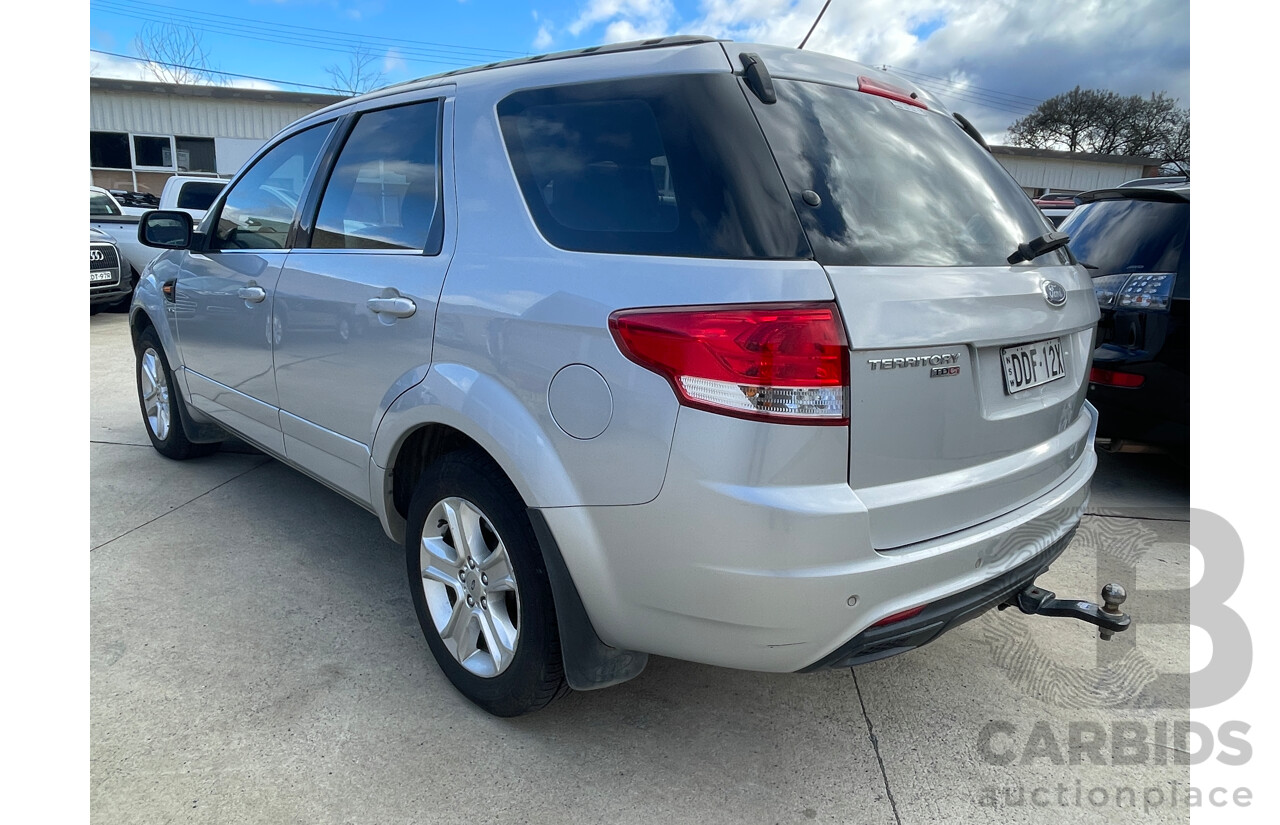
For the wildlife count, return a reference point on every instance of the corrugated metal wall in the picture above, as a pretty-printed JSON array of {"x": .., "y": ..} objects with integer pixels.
[
  {"x": 191, "y": 116},
  {"x": 1069, "y": 175}
]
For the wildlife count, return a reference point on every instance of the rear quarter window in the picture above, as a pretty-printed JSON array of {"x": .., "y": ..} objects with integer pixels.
[{"x": 650, "y": 166}]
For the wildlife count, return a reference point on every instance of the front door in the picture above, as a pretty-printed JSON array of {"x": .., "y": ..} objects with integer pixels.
[{"x": 225, "y": 292}]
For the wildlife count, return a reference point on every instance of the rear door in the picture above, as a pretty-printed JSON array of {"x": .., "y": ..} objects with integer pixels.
[
  {"x": 224, "y": 293},
  {"x": 356, "y": 302},
  {"x": 967, "y": 372}
]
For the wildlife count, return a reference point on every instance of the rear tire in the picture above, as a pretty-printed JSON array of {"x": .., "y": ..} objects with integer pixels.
[
  {"x": 480, "y": 586},
  {"x": 161, "y": 407}
]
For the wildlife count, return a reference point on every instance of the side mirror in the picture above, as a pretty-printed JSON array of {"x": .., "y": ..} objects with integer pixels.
[{"x": 165, "y": 229}]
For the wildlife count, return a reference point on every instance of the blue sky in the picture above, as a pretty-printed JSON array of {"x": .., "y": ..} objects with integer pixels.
[{"x": 993, "y": 60}]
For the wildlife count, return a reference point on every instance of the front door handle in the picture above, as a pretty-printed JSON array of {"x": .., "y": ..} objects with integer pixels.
[
  {"x": 252, "y": 294},
  {"x": 395, "y": 307}
]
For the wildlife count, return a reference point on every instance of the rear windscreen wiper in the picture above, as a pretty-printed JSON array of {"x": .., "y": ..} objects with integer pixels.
[{"x": 1036, "y": 247}]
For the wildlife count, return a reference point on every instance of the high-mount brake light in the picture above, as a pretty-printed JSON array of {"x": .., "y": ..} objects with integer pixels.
[
  {"x": 872, "y": 86},
  {"x": 785, "y": 363}
]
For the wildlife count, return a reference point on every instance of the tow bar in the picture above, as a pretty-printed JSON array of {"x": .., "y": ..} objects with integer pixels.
[{"x": 1036, "y": 601}]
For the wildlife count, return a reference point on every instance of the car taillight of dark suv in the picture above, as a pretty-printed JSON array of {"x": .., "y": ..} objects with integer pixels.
[{"x": 1133, "y": 241}]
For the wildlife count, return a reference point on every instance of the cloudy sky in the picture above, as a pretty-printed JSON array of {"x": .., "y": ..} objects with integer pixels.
[{"x": 993, "y": 60}]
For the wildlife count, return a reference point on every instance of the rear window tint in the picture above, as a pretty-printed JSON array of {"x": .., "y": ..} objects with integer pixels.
[
  {"x": 1129, "y": 235},
  {"x": 898, "y": 185},
  {"x": 650, "y": 166},
  {"x": 198, "y": 195}
]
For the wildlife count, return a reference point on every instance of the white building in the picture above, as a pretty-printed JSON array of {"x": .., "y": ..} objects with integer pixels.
[
  {"x": 1041, "y": 170},
  {"x": 142, "y": 133}
]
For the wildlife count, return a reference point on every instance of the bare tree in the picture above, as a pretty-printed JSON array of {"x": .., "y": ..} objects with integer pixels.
[
  {"x": 175, "y": 54},
  {"x": 1091, "y": 120},
  {"x": 361, "y": 74}
]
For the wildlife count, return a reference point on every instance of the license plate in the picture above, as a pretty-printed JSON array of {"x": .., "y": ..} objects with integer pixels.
[
  {"x": 1031, "y": 365},
  {"x": 99, "y": 277}
]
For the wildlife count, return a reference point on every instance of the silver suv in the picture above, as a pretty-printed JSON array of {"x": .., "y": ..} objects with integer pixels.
[{"x": 730, "y": 353}]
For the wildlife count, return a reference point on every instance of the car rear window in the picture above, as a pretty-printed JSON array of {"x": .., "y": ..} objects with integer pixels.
[
  {"x": 650, "y": 166},
  {"x": 896, "y": 185},
  {"x": 1129, "y": 235},
  {"x": 198, "y": 194}
]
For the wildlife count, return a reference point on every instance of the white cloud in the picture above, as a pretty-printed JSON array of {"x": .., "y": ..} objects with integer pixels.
[
  {"x": 392, "y": 62},
  {"x": 654, "y": 16},
  {"x": 993, "y": 60},
  {"x": 543, "y": 39}
]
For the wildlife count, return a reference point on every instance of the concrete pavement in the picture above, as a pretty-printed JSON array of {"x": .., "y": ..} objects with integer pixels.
[{"x": 255, "y": 658}]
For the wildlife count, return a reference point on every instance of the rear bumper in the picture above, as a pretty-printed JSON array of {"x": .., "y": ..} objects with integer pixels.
[
  {"x": 784, "y": 577},
  {"x": 939, "y": 617}
]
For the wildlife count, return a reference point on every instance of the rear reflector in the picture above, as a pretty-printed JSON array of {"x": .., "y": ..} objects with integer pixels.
[
  {"x": 875, "y": 87},
  {"x": 900, "y": 616},
  {"x": 765, "y": 362},
  {"x": 1111, "y": 378}
]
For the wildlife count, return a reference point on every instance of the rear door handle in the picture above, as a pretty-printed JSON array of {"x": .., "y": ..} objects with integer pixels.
[
  {"x": 395, "y": 307},
  {"x": 252, "y": 294}
]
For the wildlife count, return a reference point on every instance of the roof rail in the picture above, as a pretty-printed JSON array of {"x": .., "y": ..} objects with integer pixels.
[{"x": 611, "y": 48}]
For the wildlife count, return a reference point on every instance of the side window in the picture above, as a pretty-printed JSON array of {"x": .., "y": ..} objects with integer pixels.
[
  {"x": 383, "y": 193},
  {"x": 670, "y": 165},
  {"x": 259, "y": 209},
  {"x": 600, "y": 166}
]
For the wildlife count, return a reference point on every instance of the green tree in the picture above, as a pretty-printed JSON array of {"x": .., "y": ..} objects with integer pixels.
[{"x": 1103, "y": 122}]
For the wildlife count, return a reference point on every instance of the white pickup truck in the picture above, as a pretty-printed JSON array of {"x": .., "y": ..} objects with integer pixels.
[
  {"x": 193, "y": 195},
  {"x": 190, "y": 194}
]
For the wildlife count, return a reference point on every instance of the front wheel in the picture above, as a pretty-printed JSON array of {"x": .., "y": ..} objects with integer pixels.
[
  {"x": 158, "y": 397},
  {"x": 480, "y": 587}
]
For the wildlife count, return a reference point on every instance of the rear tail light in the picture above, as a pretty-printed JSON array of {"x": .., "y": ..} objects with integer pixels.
[
  {"x": 765, "y": 362},
  {"x": 1112, "y": 378},
  {"x": 1150, "y": 291}
]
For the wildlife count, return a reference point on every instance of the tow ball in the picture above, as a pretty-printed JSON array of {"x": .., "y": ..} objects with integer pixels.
[{"x": 1036, "y": 601}]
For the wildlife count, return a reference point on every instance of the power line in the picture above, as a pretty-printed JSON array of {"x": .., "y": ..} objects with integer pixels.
[
  {"x": 1034, "y": 101},
  {"x": 212, "y": 71}
]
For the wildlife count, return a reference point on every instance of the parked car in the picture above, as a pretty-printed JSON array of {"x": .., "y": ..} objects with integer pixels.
[
  {"x": 106, "y": 286},
  {"x": 1134, "y": 242},
  {"x": 1163, "y": 180},
  {"x": 635, "y": 373},
  {"x": 106, "y": 216}
]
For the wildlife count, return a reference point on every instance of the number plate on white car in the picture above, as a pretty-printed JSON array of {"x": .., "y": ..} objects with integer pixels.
[
  {"x": 1031, "y": 365},
  {"x": 98, "y": 277}
]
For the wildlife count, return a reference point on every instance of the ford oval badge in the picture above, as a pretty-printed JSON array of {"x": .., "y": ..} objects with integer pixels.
[{"x": 1054, "y": 293}]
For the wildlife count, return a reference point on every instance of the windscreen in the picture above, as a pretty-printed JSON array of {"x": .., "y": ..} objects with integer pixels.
[{"x": 896, "y": 185}]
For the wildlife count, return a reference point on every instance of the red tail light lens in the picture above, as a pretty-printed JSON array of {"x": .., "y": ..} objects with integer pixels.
[
  {"x": 769, "y": 362},
  {"x": 1111, "y": 378},
  {"x": 900, "y": 616}
]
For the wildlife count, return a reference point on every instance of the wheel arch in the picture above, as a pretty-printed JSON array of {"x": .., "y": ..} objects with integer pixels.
[{"x": 455, "y": 407}]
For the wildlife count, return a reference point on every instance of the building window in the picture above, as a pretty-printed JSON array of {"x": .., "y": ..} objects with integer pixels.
[
  {"x": 109, "y": 150},
  {"x": 152, "y": 152},
  {"x": 195, "y": 154}
]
